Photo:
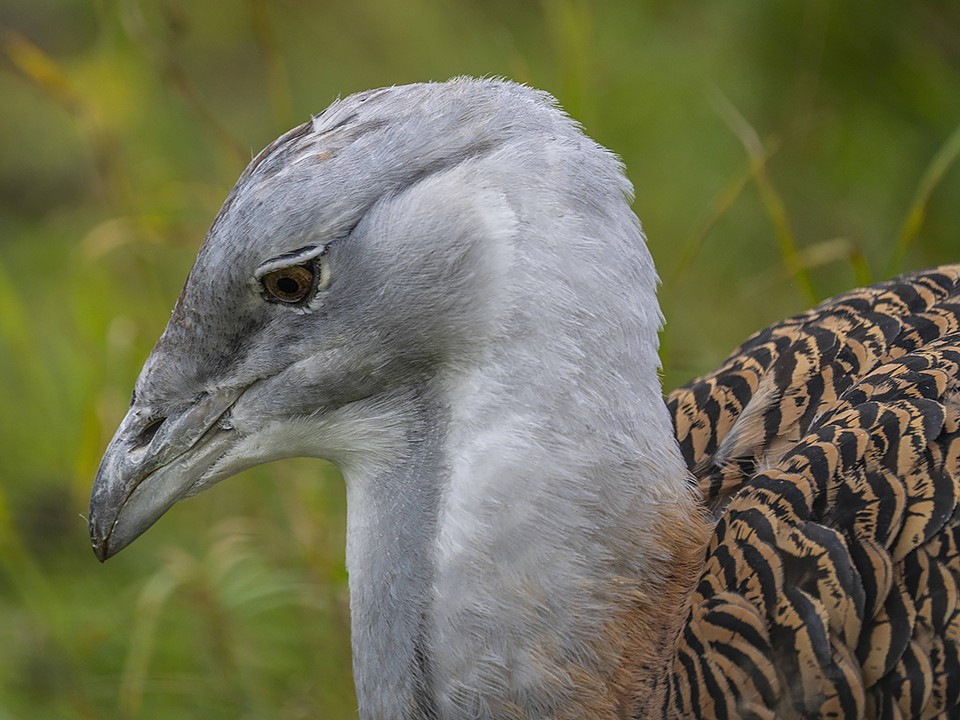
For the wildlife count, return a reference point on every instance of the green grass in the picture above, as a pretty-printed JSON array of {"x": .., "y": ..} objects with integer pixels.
[{"x": 781, "y": 152}]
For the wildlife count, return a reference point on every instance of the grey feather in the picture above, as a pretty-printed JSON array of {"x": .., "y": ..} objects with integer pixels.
[{"x": 481, "y": 363}]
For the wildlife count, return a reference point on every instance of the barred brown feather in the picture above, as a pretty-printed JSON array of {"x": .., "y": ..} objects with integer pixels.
[{"x": 829, "y": 446}]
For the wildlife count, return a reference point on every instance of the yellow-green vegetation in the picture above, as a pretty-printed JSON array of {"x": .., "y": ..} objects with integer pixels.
[{"x": 781, "y": 152}]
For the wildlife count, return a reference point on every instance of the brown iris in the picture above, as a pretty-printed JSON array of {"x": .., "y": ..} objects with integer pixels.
[{"x": 290, "y": 284}]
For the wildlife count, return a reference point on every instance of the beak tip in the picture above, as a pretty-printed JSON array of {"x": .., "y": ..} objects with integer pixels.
[
  {"x": 101, "y": 550},
  {"x": 100, "y": 543}
]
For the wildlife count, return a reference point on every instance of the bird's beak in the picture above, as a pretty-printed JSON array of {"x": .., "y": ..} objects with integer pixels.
[{"x": 153, "y": 462}]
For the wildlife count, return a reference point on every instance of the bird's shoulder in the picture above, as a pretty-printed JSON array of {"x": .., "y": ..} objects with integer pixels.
[
  {"x": 829, "y": 446},
  {"x": 759, "y": 403}
]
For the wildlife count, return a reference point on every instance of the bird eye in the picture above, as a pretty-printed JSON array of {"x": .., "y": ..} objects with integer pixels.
[{"x": 290, "y": 284}]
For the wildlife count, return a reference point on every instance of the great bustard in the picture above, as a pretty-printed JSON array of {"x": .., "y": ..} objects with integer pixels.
[{"x": 442, "y": 289}]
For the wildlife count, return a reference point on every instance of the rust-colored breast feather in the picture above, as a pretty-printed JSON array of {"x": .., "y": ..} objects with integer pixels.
[{"x": 829, "y": 447}]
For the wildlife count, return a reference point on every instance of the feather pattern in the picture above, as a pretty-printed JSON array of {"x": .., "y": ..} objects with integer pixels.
[{"x": 830, "y": 446}]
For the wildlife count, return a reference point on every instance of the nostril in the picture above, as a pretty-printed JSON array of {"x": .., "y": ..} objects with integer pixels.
[{"x": 146, "y": 435}]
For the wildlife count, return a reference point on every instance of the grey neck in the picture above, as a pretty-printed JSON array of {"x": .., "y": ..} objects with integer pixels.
[
  {"x": 393, "y": 499},
  {"x": 493, "y": 552}
]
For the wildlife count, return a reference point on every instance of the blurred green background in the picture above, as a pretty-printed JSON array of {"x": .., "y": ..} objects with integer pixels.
[{"x": 781, "y": 152}]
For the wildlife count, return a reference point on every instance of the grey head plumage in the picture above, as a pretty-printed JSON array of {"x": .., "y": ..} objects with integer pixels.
[{"x": 442, "y": 288}]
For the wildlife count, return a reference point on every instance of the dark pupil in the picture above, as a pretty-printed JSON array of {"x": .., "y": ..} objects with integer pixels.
[{"x": 287, "y": 285}]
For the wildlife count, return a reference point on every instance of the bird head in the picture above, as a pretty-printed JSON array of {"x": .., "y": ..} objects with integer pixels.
[{"x": 360, "y": 254}]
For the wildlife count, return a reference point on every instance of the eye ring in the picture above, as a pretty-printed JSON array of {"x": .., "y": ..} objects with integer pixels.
[{"x": 290, "y": 285}]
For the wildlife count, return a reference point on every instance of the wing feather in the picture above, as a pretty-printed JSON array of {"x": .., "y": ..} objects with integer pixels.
[{"x": 829, "y": 447}]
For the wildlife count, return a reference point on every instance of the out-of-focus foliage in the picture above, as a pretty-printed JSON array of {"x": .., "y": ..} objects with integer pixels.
[{"x": 781, "y": 152}]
